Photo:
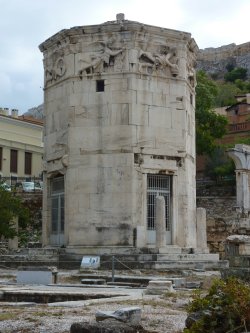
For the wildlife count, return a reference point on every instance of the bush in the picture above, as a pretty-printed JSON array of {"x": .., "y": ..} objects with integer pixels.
[
  {"x": 10, "y": 208},
  {"x": 236, "y": 73},
  {"x": 226, "y": 308}
]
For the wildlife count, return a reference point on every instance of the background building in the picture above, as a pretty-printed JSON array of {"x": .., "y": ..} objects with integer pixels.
[
  {"x": 238, "y": 129},
  {"x": 238, "y": 116},
  {"x": 21, "y": 146}
]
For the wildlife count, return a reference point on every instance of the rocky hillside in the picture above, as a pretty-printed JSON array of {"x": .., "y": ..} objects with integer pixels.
[
  {"x": 36, "y": 112},
  {"x": 215, "y": 60}
]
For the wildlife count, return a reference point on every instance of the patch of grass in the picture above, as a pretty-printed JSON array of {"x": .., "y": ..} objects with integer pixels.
[
  {"x": 41, "y": 314},
  {"x": 32, "y": 319},
  {"x": 59, "y": 314},
  {"x": 7, "y": 316}
]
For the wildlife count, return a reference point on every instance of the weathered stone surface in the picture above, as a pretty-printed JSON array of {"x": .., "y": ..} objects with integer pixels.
[
  {"x": 107, "y": 326},
  {"x": 131, "y": 315},
  {"x": 119, "y": 108},
  {"x": 239, "y": 238},
  {"x": 160, "y": 221},
  {"x": 159, "y": 287},
  {"x": 201, "y": 229}
]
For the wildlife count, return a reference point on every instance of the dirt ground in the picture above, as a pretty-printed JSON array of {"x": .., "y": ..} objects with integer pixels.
[{"x": 160, "y": 313}]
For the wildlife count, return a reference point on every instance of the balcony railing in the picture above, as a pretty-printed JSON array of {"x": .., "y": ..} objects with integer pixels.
[{"x": 239, "y": 127}]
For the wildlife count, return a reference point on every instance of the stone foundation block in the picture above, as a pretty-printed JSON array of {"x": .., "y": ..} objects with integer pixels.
[{"x": 159, "y": 287}]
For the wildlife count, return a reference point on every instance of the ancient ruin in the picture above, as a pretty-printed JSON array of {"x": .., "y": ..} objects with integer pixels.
[
  {"x": 120, "y": 132},
  {"x": 241, "y": 157}
]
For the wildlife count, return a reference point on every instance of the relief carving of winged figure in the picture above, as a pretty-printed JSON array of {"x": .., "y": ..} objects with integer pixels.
[
  {"x": 166, "y": 58},
  {"x": 98, "y": 59}
]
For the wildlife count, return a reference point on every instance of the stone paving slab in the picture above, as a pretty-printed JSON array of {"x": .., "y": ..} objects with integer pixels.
[{"x": 90, "y": 295}]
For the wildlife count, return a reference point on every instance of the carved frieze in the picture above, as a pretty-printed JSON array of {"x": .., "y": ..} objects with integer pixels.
[
  {"x": 159, "y": 62},
  {"x": 191, "y": 77},
  {"x": 55, "y": 71},
  {"x": 103, "y": 58},
  {"x": 111, "y": 56}
]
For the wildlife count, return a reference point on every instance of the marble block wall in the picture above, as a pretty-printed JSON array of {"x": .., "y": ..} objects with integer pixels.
[{"x": 119, "y": 105}]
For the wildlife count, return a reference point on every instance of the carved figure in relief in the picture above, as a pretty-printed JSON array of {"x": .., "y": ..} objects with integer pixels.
[
  {"x": 146, "y": 60},
  {"x": 166, "y": 58},
  {"x": 96, "y": 61},
  {"x": 191, "y": 72},
  {"x": 56, "y": 71}
]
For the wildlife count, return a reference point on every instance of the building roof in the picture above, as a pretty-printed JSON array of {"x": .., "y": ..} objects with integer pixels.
[
  {"x": 118, "y": 25},
  {"x": 30, "y": 119},
  {"x": 232, "y": 107},
  {"x": 24, "y": 119}
]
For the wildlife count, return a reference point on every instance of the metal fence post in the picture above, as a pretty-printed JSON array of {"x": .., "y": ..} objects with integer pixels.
[{"x": 113, "y": 268}]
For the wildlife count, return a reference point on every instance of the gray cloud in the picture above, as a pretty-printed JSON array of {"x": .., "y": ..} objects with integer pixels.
[{"x": 25, "y": 24}]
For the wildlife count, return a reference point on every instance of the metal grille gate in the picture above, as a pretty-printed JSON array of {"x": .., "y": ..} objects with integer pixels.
[
  {"x": 57, "y": 211},
  {"x": 158, "y": 185}
]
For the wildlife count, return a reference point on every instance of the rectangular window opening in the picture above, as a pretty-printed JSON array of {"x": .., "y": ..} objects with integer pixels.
[
  {"x": 1, "y": 157},
  {"x": 99, "y": 85},
  {"x": 13, "y": 161},
  {"x": 27, "y": 163}
]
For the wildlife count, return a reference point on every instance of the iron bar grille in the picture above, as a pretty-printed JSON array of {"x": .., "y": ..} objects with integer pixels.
[
  {"x": 158, "y": 185},
  {"x": 57, "y": 205}
]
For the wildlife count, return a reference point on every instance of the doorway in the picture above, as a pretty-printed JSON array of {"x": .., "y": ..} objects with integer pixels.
[
  {"x": 158, "y": 185},
  {"x": 57, "y": 211}
]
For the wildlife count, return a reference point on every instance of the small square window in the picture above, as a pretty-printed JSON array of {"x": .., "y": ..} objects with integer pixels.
[{"x": 99, "y": 85}]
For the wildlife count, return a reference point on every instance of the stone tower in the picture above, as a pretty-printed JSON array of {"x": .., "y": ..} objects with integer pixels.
[{"x": 119, "y": 137}]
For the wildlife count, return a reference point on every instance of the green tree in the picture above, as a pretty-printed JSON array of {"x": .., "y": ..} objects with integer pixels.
[
  {"x": 11, "y": 207},
  {"x": 209, "y": 125},
  {"x": 219, "y": 165},
  {"x": 244, "y": 86},
  {"x": 236, "y": 73},
  {"x": 226, "y": 94}
]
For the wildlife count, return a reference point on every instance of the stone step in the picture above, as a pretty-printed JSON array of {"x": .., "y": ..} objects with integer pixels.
[
  {"x": 169, "y": 249},
  {"x": 93, "y": 281},
  {"x": 189, "y": 257},
  {"x": 184, "y": 264},
  {"x": 45, "y": 251},
  {"x": 130, "y": 280}
]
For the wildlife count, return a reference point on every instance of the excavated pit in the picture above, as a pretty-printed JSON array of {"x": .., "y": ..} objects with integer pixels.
[{"x": 48, "y": 297}]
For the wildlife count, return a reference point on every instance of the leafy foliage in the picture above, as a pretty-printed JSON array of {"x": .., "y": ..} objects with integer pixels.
[
  {"x": 226, "y": 308},
  {"x": 206, "y": 91},
  {"x": 236, "y": 73},
  {"x": 11, "y": 207},
  {"x": 244, "y": 86},
  {"x": 219, "y": 165},
  {"x": 209, "y": 125},
  {"x": 226, "y": 94}
]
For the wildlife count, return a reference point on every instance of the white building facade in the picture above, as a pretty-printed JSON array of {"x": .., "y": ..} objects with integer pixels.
[
  {"x": 119, "y": 131},
  {"x": 21, "y": 146}
]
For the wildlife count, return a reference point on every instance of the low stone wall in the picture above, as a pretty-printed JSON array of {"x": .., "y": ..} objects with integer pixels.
[
  {"x": 216, "y": 189},
  {"x": 222, "y": 221}
]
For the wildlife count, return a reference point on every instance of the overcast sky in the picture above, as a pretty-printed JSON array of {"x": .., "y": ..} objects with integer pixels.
[{"x": 25, "y": 24}]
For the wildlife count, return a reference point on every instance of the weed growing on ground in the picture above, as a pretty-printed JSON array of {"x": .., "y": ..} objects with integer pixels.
[
  {"x": 8, "y": 316},
  {"x": 226, "y": 308}
]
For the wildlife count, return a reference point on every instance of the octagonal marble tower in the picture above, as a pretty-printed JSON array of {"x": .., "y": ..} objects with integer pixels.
[{"x": 119, "y": 103}]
